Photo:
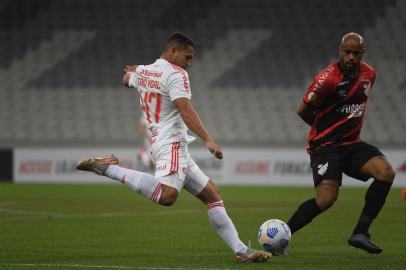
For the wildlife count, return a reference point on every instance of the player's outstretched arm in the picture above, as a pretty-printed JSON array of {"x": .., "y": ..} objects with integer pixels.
[
  {"x": 128, "y": 71},
  {"x": 193, "y": 122},
  {"x": 306, "y": 113}
]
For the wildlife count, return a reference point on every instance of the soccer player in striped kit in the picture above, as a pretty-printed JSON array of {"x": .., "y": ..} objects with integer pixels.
[
  {"x": 334, "y": 107},
  {"x": 165, "y": 97}
]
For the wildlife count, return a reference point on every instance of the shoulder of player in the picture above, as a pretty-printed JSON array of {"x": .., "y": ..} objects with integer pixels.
[
  {"x": 178, "y": 75},
  {"x": 176, "y": 72},
  {"x": 177, "y": 69},
  {"x": 367, "y": 68},
  {"x": 330, "y": 71},
  {"x": 328, "y": 77}
]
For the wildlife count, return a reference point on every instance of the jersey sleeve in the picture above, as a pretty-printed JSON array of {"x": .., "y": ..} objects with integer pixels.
[
  {"x": 132, "y": 82},
  {"x": 319, "y": 90},
  {"x": 373, "y": 78},
  {"x": 179, "y": 85}
]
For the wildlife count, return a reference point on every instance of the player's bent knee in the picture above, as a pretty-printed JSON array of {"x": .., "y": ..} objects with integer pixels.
[
  {"x": 168, "y": 200},
  {"x": 324, "y": 205},
  {"x": 168, "y": 197},
  {"x": 325, "y": 202},
  {"x": 386, "y": 174}
]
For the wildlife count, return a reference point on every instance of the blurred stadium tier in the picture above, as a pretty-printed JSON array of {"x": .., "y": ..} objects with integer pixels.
[{"x": 62, "y": 61}]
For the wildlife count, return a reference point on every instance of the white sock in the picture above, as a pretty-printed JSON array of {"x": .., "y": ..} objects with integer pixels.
[
  {"x": 224, "y": 227},
  {"x": 140, "y": 182}
]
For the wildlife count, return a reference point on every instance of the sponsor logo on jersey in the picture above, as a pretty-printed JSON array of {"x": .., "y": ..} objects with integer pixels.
[
  {"x": 185, "y": 82},
  {"x": 151, "y": 73},
  {"x": 184, "y": 76},
  {"x": 322, "y": 168},
  {"x": 321, "y": 79},
  {"x": 149, "y": 83},
  {"x": 354, "y": 110}
]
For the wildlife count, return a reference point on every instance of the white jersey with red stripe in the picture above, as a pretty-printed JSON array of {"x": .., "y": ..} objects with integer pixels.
[{"x": 158, "y": 85}]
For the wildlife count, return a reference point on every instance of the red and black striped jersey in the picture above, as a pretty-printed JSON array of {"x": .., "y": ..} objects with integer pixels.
[{"x": 339, "y": 103}]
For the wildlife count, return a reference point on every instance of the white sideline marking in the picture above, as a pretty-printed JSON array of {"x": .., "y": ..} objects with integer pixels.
[{"x": 108, "y": 266}]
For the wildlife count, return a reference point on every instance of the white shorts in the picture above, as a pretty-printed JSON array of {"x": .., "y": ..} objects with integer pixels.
[{"x": 175, "y": 167}]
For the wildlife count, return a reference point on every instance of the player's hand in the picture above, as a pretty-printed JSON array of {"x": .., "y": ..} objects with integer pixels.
[
  {"x": 214, "y": 149},
  {"x": 129, "y": 68}
]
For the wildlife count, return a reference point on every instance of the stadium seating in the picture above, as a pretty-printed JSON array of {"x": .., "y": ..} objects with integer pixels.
[{"x": 61, "y": 66}]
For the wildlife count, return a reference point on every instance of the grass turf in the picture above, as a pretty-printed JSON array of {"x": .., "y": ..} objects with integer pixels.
[{"x": 110, "y": 227}]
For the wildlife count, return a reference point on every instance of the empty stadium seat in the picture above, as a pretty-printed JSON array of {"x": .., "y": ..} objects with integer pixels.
[{"x": 252, "y": 66}]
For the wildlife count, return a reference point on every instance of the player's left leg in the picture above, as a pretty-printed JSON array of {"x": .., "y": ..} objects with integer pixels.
[
  {"x": 379, "y": 168},
  {"x": 327, "y": 175},
  {"x": 143, "y": 183},
  {"x": 206, "y": 190}
]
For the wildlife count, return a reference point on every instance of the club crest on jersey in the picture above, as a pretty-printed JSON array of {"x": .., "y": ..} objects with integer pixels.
[{"x": 366, "y": 85}]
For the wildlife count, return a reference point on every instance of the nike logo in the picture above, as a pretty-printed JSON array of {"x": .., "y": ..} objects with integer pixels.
[
  {"x": 342, "y": 93},
  {"x": 322, "y": 168},
  {"x": 343, "y": 82}
]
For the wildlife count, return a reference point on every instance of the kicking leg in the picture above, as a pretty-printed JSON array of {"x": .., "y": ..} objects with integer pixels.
[{"x": 225, "y": 228}]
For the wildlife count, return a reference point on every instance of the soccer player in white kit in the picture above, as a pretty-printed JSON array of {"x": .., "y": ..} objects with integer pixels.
[{"x": 165, "y": 97}]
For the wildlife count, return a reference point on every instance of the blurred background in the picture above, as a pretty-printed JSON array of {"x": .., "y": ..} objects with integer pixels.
[{"x": 61, "y": 66}]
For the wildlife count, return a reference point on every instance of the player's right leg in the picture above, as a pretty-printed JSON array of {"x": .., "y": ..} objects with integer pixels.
[
  {"x": 225, "y": 228},
  {"x": 143, "y": 183},
  {"x": 367, "y": 161},
  {"x": 204, "y": 189}
]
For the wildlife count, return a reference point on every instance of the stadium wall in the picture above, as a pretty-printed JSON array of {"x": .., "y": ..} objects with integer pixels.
[
  {"x": 6, "y": 161},
  {"x": 241, "y": 166}
]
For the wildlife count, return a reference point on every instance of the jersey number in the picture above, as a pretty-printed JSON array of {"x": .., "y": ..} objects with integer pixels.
[{"x": 150, "y": 100}]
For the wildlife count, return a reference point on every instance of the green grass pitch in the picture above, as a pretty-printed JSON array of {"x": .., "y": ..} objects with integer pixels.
[{"x": 46, "y": 226}]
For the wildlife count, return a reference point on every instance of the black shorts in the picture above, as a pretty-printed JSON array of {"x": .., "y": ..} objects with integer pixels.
[{"x": 330, "y": 163}]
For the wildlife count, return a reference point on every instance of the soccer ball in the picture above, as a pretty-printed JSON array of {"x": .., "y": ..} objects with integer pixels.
[{"x": 274, "y": 235}]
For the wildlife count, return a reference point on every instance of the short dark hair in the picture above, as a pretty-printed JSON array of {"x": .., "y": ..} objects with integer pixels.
[{"x": 180, "y": 40}]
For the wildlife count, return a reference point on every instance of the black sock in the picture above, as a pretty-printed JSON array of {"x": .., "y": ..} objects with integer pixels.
[
  {"x": 304, "y": 215},
  {"x": 374, "y": 200}
]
